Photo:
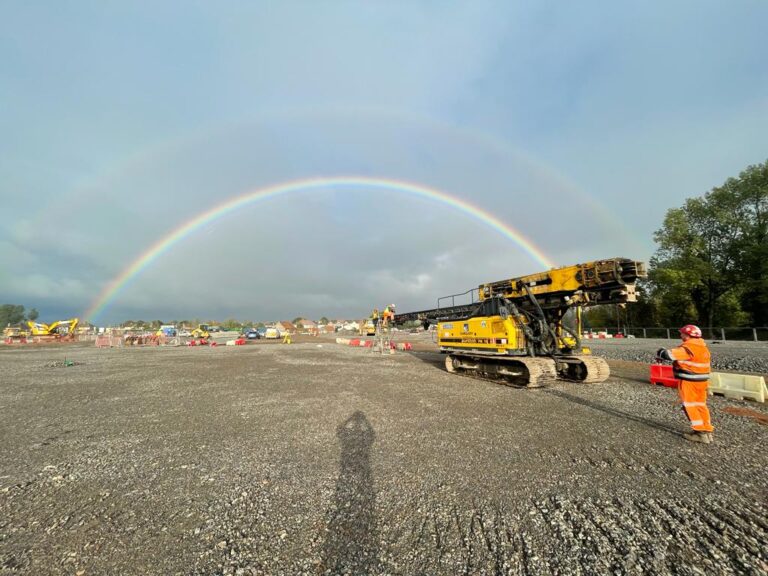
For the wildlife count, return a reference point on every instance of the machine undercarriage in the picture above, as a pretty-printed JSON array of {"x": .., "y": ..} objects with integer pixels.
[{"x": 528, "y": 372}]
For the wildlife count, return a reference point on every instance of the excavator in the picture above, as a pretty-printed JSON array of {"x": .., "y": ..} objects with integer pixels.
[
  {"x": 514, "y": 330},
  {"x": 202, "y": 331},
  {"x": 58, "y": 328}
]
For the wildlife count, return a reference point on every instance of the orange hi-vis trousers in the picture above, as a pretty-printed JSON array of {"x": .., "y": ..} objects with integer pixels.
[{"x": 694, "y": 397}]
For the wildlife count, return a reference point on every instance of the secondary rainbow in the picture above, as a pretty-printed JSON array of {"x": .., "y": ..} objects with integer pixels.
[{"x": 164, "y": 244}]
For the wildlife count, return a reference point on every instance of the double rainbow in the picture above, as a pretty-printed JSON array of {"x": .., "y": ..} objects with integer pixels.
[{"x": 117, "y": 284}]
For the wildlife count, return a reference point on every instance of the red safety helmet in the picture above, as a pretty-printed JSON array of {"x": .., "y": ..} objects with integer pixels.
[{"x": 691, "y": 330}]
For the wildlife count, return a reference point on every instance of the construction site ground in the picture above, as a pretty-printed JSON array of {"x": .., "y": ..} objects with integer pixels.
[{"x": 318, "y": 458}]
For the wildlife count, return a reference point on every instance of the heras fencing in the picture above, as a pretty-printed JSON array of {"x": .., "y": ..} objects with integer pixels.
[{"x": 723, "y": 333}]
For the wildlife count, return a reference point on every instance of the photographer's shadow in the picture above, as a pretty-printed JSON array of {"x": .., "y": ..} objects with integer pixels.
[{"x": 351, "y": 545}]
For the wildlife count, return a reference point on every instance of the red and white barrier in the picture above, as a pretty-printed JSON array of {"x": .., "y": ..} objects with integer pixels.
[{"x": 359, "y": 343}]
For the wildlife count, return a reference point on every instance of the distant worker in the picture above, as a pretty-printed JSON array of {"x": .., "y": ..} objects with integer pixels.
[
  {"x": 375, "y": 316},
  {"x": 388, "y": 314},
  {"x": 691, "y": 365}
]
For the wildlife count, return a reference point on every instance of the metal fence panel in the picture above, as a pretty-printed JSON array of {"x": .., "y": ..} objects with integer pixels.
[{"x": 721, "y": 333}]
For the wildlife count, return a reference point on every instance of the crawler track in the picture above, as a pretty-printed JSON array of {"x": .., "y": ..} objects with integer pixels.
[
  {"x": 521, "y": 372},
  {"x": 527, "y": 372},
  {"x": 586, "y": 369}
]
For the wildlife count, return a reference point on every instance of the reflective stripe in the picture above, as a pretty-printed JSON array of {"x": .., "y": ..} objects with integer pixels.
[
  {"x": 689, "y": 404},
  {"x": 691, "y": 377},
  {"x": 697, "y": 422},
  {"x": 695, "y": 364}
]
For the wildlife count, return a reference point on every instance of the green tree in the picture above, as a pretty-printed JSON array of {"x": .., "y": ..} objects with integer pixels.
[
  {"x": 641, "y": 314},
  {"x": 33, "y": 314},
  {"x": 696, "y": 263},
  {"x": 11, "y": 314},
  {"x": 324, "y": 320},
  {"x": 645, "y": 312},
  {"x": 712, "y": 261},
  {"x": 231, "y": 324},
  {"x": 751, "y": 191}
]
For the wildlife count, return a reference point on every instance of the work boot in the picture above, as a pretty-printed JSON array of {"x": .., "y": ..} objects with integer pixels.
[{"x": 695, "y": 436}]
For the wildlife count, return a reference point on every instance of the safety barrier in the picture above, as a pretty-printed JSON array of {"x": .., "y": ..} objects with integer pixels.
[
  {"x": 107, "y": 341},
  {"x": 662, "y": 374},
  {"x": 359, "y": 343},
  {"x": 738, "y": 386},
  {"x": 734, "y": 386}
]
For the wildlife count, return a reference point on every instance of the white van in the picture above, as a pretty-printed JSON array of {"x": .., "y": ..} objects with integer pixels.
[{"x": 272, "y": 334}]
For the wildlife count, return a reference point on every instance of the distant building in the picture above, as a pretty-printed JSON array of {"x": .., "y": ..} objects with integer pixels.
[
  {"x": 328, "y": 328},
  {"x": 286, "y": 327}
]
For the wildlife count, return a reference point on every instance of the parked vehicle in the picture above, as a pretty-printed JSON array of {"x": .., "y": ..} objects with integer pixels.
[
  {"x": 272, "y": 334},
  {"x": 202, "y": 331},
  {"x": 168, "y": 330},
  {"x": 252, "y": 334}
]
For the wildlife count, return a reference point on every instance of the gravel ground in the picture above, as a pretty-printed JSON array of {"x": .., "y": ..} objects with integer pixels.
[
  {"x": 273, "y": 459},
  {"x": 746, "y": 357}
]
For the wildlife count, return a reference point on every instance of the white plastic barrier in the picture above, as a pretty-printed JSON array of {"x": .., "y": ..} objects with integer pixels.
[{"x": 738, "y": 386}]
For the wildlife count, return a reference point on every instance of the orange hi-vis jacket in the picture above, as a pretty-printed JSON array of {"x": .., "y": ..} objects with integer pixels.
[{"x": 691, "y": 360}]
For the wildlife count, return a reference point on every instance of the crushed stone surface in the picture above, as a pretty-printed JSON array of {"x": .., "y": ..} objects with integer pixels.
[
  {"x": 299, "y": 459},
  {"x": 746, "y": 357}
]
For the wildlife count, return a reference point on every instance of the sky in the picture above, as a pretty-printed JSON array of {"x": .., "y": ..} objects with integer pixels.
[{"x": 576, "y": 124}]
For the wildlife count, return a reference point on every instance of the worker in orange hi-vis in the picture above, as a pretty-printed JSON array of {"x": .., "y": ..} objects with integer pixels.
[{"x": 690, "y": 365}]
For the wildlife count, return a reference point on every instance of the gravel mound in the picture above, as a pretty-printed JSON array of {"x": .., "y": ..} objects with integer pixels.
[{"x": 749, "y": 357}]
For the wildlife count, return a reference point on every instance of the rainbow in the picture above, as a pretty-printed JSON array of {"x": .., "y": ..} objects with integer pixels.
[{"x": 165, "y": 243}]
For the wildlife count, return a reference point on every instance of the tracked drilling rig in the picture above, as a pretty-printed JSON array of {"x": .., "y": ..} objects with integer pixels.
[{"x": 514, "y": 330}]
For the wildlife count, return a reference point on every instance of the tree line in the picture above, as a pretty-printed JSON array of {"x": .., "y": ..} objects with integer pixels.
[
  {"x": 711, "y": 264},
  {"x": 14, "y": 314}
]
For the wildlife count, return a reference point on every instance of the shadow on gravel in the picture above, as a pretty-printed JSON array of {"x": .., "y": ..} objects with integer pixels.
[
  {"x": 352, "y": 544},
  {"x": 438, "y": 360},
  {"x": 435, "y": 359},
  {"x": 612, "y": 411}
]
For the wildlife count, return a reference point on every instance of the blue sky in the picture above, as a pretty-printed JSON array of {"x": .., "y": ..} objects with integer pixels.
[{"x": 579, "y": 124}]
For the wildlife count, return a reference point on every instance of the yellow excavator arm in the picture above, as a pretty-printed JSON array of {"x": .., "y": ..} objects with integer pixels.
[
  {"x": 64, "y": 326},
  {"x": 58, "y": 327}
]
